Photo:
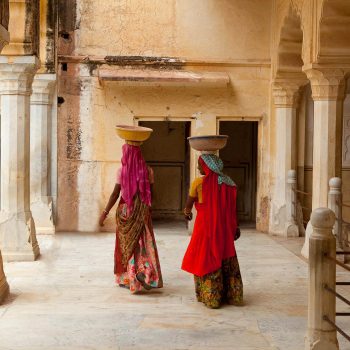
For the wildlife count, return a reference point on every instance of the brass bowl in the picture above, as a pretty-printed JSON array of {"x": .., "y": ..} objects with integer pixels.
[
  {"x": 133, "y": 133},
  {"x": 208, "y": 143}
]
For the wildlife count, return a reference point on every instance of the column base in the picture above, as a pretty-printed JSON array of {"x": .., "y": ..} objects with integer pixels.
[
  {"x": 4, "y": 287},
  {"x": 291, "y": 230},
  {"x": 322, "y": 344},
  {"x": 43, "y": 216},
  {"x": 277, "y": 220},
  {"x": 279, "y": 225},
  {"x": 17, "y": 237}
]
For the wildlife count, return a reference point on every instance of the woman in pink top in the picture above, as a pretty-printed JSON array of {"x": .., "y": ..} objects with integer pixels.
[{"x": 136, "y": 262}]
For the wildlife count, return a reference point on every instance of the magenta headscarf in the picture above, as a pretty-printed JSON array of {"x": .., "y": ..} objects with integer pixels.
[{"x": 134, "y": 176}]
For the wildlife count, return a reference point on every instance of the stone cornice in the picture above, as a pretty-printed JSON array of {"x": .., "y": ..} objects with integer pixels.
[
  {"x": 326, "y": 83},
  {"x": 161, "y": 61}
]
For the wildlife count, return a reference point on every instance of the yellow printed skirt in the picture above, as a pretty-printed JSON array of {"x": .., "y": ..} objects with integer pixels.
[{"x": 221, "y": 286}]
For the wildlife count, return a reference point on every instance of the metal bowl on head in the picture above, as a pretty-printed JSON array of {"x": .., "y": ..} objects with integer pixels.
[
  {"x": 208, "y": 143},
  {"x": 133, "y": 133}
]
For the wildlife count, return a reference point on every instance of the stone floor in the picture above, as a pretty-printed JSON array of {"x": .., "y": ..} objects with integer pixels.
[{"x": 67, "y": 299}]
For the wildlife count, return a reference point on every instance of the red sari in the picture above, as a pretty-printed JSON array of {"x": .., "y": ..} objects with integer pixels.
[{"x": 213, "y": 236}]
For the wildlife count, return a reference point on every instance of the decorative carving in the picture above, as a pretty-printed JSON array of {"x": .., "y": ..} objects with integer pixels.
[
  {"x": 286, "y": 94},
  {"x": 288, "y": 52},
  {"x": 326, "y": 84},
  {"x": 297, "y": 6}
]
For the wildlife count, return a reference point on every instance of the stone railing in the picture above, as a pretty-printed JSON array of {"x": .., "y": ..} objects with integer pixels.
[
  {"x": 323, "y": 250},
  {"x": 341, "y": 227}
]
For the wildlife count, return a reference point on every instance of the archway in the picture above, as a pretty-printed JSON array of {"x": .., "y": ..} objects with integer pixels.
[{"x": 288, "y": 81}]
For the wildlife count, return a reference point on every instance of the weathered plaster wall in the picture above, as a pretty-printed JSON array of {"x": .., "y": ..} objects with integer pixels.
[
  {"x": 89, "y": 150},
  {"x": 236, "y": 32},
  {"x": 238, "y": 29}
]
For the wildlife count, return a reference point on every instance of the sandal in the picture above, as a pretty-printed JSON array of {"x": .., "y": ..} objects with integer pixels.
[
  {"x": 124, "y": 286},
  {"x": 142, "y": 279}
]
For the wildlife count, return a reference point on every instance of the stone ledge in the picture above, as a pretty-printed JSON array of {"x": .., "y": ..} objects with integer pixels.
[{"x": 169, "y": 77}]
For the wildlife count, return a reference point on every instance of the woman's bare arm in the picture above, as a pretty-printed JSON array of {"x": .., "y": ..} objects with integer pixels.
[
  {"x": 188, "y": 208},
  {"x": 112, "y": 200}
]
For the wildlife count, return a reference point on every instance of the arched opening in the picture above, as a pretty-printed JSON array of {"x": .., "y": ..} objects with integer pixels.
[
  {"x": 289, "y": 52},
  {"x": 292, "y": 116}
]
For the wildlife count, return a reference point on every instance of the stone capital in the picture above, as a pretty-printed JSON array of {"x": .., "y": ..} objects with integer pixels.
[
  {"x": 16, "y": 74},
  {"x": 43, "y": 85},
  {"x": 326, "y": 83},
  {"x": 285, "y": 94}
]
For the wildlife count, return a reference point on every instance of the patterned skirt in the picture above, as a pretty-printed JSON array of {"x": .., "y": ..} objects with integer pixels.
[
  {"x": 221, "y": 286},
  {"x": 144, "y": 260}
]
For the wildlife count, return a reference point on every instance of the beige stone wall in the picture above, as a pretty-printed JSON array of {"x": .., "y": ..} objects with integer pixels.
[
  {"x": 206, "y": 29},
  {"x": 230, "y": 37},
  {"x": 252, "y": 43},
  {"x": 89, "y": 150}
]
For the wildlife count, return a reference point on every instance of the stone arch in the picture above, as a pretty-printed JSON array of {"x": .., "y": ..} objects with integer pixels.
[
  {"x": 333, "y": 33},
  {"x": 289, "y": 51}
]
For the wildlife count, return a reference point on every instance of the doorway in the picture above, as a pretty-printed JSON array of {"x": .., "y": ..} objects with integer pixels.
[
  {"x": 167, "y": 152},
  {"x": 240, "y": 163}
]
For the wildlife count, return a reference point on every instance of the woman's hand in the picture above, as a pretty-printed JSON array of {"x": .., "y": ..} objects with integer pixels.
[
  {"x": 102, "y": 218},
  {"x": 188, "y": 214},
  {"x": 237, "y": 233}
]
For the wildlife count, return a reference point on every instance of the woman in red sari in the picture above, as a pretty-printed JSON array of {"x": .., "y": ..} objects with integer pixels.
[
  {"x": 136, "y": 262},
  {"x": 211, "y": 256}
]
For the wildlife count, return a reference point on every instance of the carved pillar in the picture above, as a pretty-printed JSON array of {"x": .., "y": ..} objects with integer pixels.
[
  {"x": 4, "y": 39},
  {"x": 285, "y": 100},
  {"x": 328, "y": 93},
  {"x": 40, "y": 152},
  {"x": 17, "y": 230}
]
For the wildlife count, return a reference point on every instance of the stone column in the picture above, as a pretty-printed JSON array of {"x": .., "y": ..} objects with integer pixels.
[
  {"x": 17, "y": 230},
  {"x": 328, "y": 87},
  {"x": 4, "y": 287},
  {"x": 328, "y": 93},
  {"x": 285, "y": 101},
  {"x": 40, "y": 152},
  {"x": 321, "y": 335}
]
